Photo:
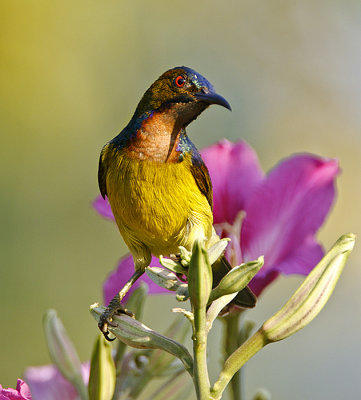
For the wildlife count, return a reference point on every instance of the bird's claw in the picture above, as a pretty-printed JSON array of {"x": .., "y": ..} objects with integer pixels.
[{"x": 106, "y": 319}]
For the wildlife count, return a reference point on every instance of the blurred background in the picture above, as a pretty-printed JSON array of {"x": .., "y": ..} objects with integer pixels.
[{"x": 71, "y": 74}]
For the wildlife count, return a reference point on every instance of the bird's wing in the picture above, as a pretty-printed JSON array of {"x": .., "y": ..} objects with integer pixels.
[
  {"x": 102, "y": 170},
  {"x": 201, "y": 176}
]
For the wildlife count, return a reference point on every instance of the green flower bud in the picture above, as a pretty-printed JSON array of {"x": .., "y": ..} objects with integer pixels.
[
  {"x": 182, "y": 293},
  {"x": 217, "y": 250},
  {"x": 172, "y": 265},
  {"x": 163, "y": 278},
  {"x": 185, "y": 256},
  {"x": 262, "y": 394},
  {"x": 199, "y": 277},
  {"x": 312, "y": 295},
  {"x": 62, "y": 351},
  {"x": 102, "y": 371},
  {"x": 138, "y": 335},
  {"x": 236, "y": 279}
]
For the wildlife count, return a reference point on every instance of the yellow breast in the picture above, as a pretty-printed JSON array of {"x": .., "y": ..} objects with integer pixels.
[{"x": 157, "y": 204}]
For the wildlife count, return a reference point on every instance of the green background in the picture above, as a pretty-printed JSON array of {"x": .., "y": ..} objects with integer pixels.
[{"x": 71, "y": 74}]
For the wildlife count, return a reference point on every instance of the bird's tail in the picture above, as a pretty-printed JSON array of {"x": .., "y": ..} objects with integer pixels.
[{"x": 245, "y": 298}]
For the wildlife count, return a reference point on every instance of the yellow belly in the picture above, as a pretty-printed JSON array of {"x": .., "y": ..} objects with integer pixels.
[{"x": 157, "y": 205}]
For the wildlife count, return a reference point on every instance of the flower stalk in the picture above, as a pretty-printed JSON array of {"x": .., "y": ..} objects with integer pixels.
[
  {"x": 299, "y": 311},
  {"x": 200, "y": 286}
]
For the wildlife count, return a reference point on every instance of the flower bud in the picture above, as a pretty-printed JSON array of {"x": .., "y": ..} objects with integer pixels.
[
  {"x": 182, "y": 293},
  {"x": 62, "y": 351},
  {"x": 172, "y": 265},
  {"x": 217, "y": 250},
  {"x": 262, "y": 394},
  {"x": 236, "y": 279},
  {"x": 163, "y": 278},
  {"x": 312, "y": 295},
  {"x": 138, "y": 335},
  {"x": 185, "y": 256},
  {"x": 199, "y": 276},
  {"x": 102, "y": 371}
]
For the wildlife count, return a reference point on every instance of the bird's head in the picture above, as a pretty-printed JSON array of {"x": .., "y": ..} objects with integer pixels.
[{"x": 182, "y": 93}]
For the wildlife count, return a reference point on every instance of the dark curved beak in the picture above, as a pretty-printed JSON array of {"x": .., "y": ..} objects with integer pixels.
[{"x": 212, "y": 98}]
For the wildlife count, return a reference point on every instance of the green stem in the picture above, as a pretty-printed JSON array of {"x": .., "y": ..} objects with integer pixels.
[
  {"x": 236, "y": 360},
  {"x": 200, "y": 375},
  {"x": 230, "y": 344}
]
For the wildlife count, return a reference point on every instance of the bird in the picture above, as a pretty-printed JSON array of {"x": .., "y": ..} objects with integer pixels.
[{"x": 156, "y": 182}]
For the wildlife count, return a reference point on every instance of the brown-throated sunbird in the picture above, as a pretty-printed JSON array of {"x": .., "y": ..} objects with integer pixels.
[{"x": 156, "y": 182}]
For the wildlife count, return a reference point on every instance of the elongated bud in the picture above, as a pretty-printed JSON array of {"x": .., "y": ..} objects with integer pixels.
[
  {"x": 262, "y": 394},
  {"x": 138, "y": 335},
  {"x": 182, "y": 293},
  {"x": 199, "y": 276},
  {"x": 163, "y": 278},
  {"x": 312, "y": 295},
  {"x": 236, "y": 279},
  {"x": 217, "y": 250},
  {"x": 62, "y": 351},
  {"x": 299, "y": 311},
  {"x": 172, "y": 265},
  {"x": 185, "y": 256},
  {"x": 102, "y": 371}
]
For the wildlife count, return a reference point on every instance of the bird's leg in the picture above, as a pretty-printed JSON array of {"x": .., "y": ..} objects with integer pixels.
[{"x": 115, "y": 307}]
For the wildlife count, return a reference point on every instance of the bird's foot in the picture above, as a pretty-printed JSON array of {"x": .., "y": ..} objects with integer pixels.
[{"x": 106, "y": 319}]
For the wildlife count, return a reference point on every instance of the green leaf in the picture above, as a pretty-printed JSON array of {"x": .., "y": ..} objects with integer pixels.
[{"x": 102, "y": 371}]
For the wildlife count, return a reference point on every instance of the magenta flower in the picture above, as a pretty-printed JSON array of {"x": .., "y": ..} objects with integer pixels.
[
  {"x": 22, "y": 392},
  {"x": 117, "y": 279},
  {"x": 46, "y": 382},
  {"x": 276, "y": 215},
  {"x": 282, "y": 210}
]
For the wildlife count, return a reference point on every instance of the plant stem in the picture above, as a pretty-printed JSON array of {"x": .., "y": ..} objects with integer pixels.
[
  {"x": 230, "y": 344},
  {"x": 236, "y": 360},
  {"x": 200, "y": 374}
]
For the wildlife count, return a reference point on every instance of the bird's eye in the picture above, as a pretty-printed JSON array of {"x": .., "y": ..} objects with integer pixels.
[{"x": 180, "y": 81}]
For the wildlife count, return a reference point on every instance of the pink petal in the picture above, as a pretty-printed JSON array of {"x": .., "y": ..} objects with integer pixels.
[
  {"x": 103, "y": 207},
  {"x": 46, "y": 382},
  {"x": 117, "y": 279},
  {"x": 258, "y": 284},
  {"x": 235, "y": 172},
  {"x": 287, "y": 209},
  {"x": 22, "y": 392},
  {"x": 301, "y": 261}
]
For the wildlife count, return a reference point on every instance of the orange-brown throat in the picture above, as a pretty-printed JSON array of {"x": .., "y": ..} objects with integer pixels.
[{"x": 157, "y": 138}]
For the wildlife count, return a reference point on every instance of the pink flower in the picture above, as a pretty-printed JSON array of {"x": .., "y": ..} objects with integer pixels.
[
  {"x": 282, "y": 210},
  {"x": 46, "y": 382},
  {"x": 22, "y": 392},
  {"x": 117, "y": 279},
  {"x": 276, "y": 215}
]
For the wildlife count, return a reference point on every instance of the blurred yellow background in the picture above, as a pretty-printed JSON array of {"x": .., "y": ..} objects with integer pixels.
[{"x": 71, "y": 74}]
